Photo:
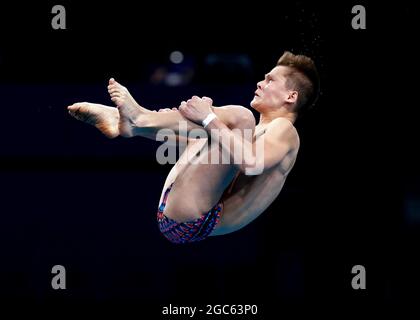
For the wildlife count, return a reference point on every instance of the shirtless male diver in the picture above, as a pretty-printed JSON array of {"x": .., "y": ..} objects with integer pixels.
[{"x": 202, "y": 199}]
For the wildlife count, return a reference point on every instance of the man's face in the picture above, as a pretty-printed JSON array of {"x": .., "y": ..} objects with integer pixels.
[{"x": 271, "y": 92}]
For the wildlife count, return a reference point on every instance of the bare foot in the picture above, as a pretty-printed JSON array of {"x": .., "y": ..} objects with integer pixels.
[
  {"x": 130, "y": 111},
  {"x": 102, "y": 117}
]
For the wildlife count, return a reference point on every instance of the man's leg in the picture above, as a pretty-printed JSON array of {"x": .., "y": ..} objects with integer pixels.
[
  {"x": 130, "y": 119},
  {"x": 104, "y": 118},
  {"x": 198, "y": 186},
  {"x": 138, "y": 121}
]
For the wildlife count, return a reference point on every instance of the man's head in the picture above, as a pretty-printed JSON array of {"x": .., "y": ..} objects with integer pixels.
[{"x": 293, "y": 83}]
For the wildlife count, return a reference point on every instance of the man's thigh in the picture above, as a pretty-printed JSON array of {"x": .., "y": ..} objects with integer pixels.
[
  {"x": 198, "y": 183},
  {"x": 200, "y": 176},
  {"x": 188, "y": 151}
]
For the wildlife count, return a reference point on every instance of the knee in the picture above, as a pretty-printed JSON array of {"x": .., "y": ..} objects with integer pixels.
[{"x": 242, "y": 118}]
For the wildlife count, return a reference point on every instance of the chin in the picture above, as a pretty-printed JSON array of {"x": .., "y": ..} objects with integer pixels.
[{"x": 254, "y": 105}]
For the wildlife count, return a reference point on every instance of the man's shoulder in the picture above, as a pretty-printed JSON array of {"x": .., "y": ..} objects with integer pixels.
[
  {"x": 281, "y": 125},
  {"x": 283, "y": 129}
]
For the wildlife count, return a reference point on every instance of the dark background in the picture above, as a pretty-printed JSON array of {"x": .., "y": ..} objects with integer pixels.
[{"x": 69, "y": 196}]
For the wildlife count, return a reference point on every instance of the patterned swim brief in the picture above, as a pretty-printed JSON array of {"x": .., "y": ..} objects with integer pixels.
[{"x": 189, "y": 231}]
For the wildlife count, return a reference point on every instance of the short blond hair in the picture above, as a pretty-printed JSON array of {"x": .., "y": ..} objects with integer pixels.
[{"x": 303, "y": 77}]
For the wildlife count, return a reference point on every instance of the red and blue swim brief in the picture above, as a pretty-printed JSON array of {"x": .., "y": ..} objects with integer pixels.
[{"x": 189, "y": 231}]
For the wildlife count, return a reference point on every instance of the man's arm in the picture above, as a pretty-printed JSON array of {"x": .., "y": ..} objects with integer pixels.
[
  {"x": 259, "y": 155},
  {"x": 139, "y": 121},
  {"x": 262, "y": 154}
]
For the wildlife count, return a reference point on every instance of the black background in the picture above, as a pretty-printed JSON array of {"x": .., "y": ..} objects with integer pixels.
[{"x": 71, "y": 197}]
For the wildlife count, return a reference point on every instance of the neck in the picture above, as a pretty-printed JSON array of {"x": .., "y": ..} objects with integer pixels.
[{"x": 268, "y": 116}]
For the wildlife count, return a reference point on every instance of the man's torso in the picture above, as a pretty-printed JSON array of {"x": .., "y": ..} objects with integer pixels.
[
  {"x": 251, "y": 195},
  {"x": 247, "y": 197}
]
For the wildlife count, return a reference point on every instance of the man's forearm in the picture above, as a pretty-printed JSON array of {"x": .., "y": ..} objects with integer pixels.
[{"x": 238, "y": 144}]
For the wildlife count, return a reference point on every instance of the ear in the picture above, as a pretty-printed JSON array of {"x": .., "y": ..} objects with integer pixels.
[{"x": 292, "y": 97}]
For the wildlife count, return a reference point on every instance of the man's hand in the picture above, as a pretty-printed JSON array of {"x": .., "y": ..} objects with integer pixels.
[{"x": 196, "y": 109}]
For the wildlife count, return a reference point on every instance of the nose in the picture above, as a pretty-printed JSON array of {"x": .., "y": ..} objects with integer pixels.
[{"x": 259, "y": 84}]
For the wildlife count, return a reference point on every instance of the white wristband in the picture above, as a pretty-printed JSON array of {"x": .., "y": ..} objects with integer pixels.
[{"x": 208, "y": 119}]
